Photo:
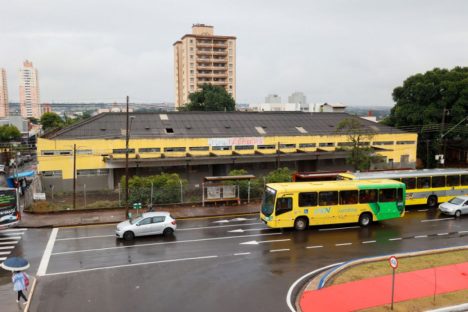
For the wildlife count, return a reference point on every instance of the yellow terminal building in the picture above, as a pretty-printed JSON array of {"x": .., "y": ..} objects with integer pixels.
[{"x": 199, "y": 144}]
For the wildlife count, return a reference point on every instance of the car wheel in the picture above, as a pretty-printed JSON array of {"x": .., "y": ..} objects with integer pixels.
[
  {"x": 300, "y": 224},
  {"x": 432, "y": 201},
  {"x": 365, "y": 219},
  {"x": 128, "y": 236},
  {"x": 457, "y": 214},
  {"x": 168, "y": 231}
]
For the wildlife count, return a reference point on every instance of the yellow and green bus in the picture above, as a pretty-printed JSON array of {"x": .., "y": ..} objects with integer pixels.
[
  {"x": 300, "y": 204},
  {"x": 423, "y": 187}
]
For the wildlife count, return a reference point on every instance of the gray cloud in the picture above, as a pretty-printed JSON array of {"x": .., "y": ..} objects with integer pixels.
[{"x": 350, "y": 51}]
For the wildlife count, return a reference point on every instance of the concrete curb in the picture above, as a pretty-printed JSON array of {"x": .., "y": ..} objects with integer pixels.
[
  {"x": 457, "y": 308},
  {"x": 26, "y": 308},
  {"x": 348, "y": 264}
]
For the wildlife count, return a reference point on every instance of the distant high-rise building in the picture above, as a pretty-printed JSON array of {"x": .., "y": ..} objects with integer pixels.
[
  {"x": 4, "y": 108},
  {"x": 273, "y": 98},
  {"x": 201, "y": 57},
  {"x": 29, "y": 91},
  {"x": 297, "y": 97}
]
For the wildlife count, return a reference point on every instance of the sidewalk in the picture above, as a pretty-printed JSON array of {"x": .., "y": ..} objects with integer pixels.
[
  {"x": 374, "y": 292},
  {"x": 87, "y": 217}
]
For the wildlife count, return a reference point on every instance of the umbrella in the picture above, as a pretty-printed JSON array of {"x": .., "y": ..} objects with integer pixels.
[{"x": 15, "y": 264}]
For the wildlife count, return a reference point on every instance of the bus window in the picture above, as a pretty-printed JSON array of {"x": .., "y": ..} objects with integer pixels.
[
  {"x": 283, "y": 205},
  {"x": 367, "y": 196},
  {"x": 453, "y": 180},
  {"x": 308, "y": 199},
  {"x": 464, "y": 179},
  {"x": 438, "y": 181},
  {"x": 410, "y": 183},
  {"x": 348, "y": 197},
  {"x": 328, "y": 198},
  {"x": 387, "y": 195},
  {"x": 424, "y": 182},
  {"x": 399, "y": 194}
]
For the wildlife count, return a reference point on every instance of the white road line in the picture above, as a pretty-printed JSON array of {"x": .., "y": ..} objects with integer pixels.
[
  {"x": 9, "y": 243},
  {"x": 13, "y": 230},
  {"x": 242, "y": 254},
  {"x": 434, "y": 220},
  {"x": 163, "y": 243},
  {"x": 279, "y": 250},
  {"x": 262, "y": 242},
  {"x": 423, "y": 210},
  {"x": 7, "y": 247},
  {"x": 2, "y": 258},
  {"x": 441, "y": 234},
  {"x": 395, "y": 239},
  {"x": 461, "y": 232},
  {"x": 248, "y": 230},
  {"x": 421, "y": 236},
  {"x": 369, "y": 242},
  {"x": 11, "y": 233},
  {"x": 132, "y": 264},
  {"x": 216, "y": 226},
  {"x": 343, "y": 244},
  {"x": 5, "y": 252},
  {"x": 10, "y": 237},
  {"x": 313, "y": 247},
  {"x": 84, "y": 237},
  {"x": 47, "y": 252},
  {"x": 340, "y": 228}
]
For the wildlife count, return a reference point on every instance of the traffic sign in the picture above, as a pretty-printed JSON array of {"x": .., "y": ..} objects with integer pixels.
[
  {"x": 393, "y": 262},
  {"x": 136, "y": 205}
]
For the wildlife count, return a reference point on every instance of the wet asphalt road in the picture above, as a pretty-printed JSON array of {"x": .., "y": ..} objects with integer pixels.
[{"x": 204, "y": 267}]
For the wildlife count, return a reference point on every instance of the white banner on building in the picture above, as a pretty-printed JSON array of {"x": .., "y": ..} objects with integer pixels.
[{"x": 235, "y": 141}]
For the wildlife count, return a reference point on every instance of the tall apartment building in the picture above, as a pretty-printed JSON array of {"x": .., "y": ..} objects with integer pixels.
[
  {"x": 202, "y": 57},
  {"x": 29, "y": 91},
  {"x": 4, "y": 108},
  {"x": 273, "y": 98}
]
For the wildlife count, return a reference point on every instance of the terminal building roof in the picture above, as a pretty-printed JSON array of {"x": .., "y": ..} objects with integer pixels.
[{"x": 211, "y": 125}]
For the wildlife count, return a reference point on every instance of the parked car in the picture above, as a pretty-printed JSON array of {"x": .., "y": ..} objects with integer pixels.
[
  {"x": 150, "y": 223},
  {"x": 455, "y": 207}
]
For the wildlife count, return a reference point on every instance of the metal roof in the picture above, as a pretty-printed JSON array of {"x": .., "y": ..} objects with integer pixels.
[
  {"x": 406, "y": 173},
  {"x": 212, "y": 125},
  {"x": 331, "y": 185}
]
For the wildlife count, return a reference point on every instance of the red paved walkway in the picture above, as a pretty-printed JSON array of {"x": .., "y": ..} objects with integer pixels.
[{"x": 373, "y": 292}]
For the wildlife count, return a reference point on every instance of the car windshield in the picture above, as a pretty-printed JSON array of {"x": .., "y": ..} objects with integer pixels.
[
  {"x": 136, "y": 220},
  {"x": 268, "y": 202},
  {"x": 456, "y": 201}
]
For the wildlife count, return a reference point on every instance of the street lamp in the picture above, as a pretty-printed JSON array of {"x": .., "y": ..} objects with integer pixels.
[{"x": 129, "y": 119}]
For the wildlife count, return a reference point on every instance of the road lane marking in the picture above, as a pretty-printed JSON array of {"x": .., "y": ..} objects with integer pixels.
[
  {"x": 13, "y": 230},
  {"x": 242, "y": 254},
  {"x": 5, "y": 252},
  {"x": 10, "y": 237},
  {"x": 434, "y": 220},
  {"x": 2, "y": 258},
  {"x": 215, "y": 226},
  {"x": 234, "y": 220},
  {"x": 422, "y": 210},
  {"x": 279, "y": 250},
  {"x": 162, "y": 243},
  {"x": 8, "y": 243},
  {"x": 47, "y": 252},
  {"x": 313, "y": 247},
  {"x": 262, "y": 242},
  {"x": 341, "y": 228},
  {"x": 395, "y": 239},
  {"x": 132, "y": 264},
  {"x": 369, "y": 242},
  {"x": 421, "y": 236},
  {"x": 343, "y": 244},
  {"x": 247, "y": 230},
  {"x": 9, "y": 234},
  {"x": 7, "y": 247},
  {"x": 83, "y": 237},
  {"x": 441, "y": 234},
  {"x": 461, "y": 232}
]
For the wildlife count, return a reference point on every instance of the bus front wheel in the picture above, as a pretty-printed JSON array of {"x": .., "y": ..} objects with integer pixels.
[
  {"x": 300, "y": 224},
  {"x": 432, "y": 201},
  {"x": 365, "y": 219}
]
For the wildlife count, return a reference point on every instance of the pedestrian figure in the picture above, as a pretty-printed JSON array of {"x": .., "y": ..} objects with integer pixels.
[{"x": 20, "y": 284}]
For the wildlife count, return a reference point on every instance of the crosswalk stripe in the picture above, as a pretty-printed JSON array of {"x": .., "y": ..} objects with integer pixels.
[
  {"x": 7, "y": 247},
  {"x": 5, "y": 252},
  {"x": 2, "y": 258},
  {"x": 11, "y": 233},
  {"x": 13, "y": 230},
  {"x": 9, "y": 243},
  {"x": 10, "y": 238}
]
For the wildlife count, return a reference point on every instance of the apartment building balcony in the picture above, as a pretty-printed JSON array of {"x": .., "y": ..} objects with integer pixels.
[
  {"x": 220, "y": 45},
  {"x": 220, "y": 53},
  {"x": 219, "y": 83},
  {"x": 220, "y": 60},
  {"x": 204, "y": 45},
  {"x": 203, "y": 52}
]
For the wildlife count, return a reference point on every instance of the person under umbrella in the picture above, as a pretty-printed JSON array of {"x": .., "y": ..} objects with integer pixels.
[{"x": 20, "y": 279}]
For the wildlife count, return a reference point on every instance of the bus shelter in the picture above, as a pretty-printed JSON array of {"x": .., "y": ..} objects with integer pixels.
[{"x": 216, "y": 190}]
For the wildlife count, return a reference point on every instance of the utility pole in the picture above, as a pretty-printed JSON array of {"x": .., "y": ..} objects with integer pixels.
[
  {"x": 127, "y": 137},
  {"x": 74, "y": 176}
]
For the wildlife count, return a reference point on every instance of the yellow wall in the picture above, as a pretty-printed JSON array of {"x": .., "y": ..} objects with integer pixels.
[{"x": 102, "y": 147}]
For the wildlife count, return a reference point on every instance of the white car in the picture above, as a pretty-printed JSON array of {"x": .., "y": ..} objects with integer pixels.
[
  {"x": 2, "y": 169},
  {"x": 150, "y": 223},
  {"x": 455, "y": 207}
]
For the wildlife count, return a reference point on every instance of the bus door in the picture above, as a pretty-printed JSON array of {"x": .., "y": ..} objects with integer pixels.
[
  {"x": 284, "y": 212},
  {"x": 388, "y": 204}
]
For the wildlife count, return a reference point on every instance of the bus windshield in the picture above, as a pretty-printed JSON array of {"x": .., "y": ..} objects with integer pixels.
[{"x": 268, "y": 202}]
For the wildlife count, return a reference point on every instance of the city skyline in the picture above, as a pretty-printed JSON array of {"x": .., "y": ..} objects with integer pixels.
[{"x": 332, "y": 51}]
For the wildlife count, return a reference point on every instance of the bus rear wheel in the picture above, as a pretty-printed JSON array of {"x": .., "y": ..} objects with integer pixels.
[
  {"x": 365, "y": 219},
  {"x": 300, "y": 224},
  {"x": 432, "y": 201}
]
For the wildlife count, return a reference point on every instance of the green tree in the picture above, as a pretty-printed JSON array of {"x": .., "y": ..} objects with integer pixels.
[
  {"x": 361, "y": 156},
  {"x": 51, "y": 121},
  {"x": 279, "y": 175},
  {"x": 425, "y": 101},
  {"x": 210, "y": 98},
  {"x": 9, "y": 133}
]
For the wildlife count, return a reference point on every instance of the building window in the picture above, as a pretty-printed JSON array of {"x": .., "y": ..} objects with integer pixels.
[
  {"x": 54, "y": 173},
  {"x": 47, "y": 153},
  {"x": 287, "y": 146},
  {"x": 169, "y": 130},
  {"x": 345, "y": 144},
  {"x": 92, "y": 172},
  {"x": 84, "y": 152},
  {"x": 244, "y": 147},
  {"x": 174, "y": 149},
  {"x": 149, "y": 150},
  {"x": 122, "y": 151},
  {"x": 383, "y": 143},
  {"x": 305, "y": 145},
  {"x": 328, "y": 144},
  {"x": 405, "y": 142},
  {"x": 221, "y": 148},
  {"x": 199, "y": 148},
  {"x": 270, "y": 146}
]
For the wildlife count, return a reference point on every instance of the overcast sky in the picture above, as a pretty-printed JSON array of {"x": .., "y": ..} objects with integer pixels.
[{"x": 353, "y": 52}]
